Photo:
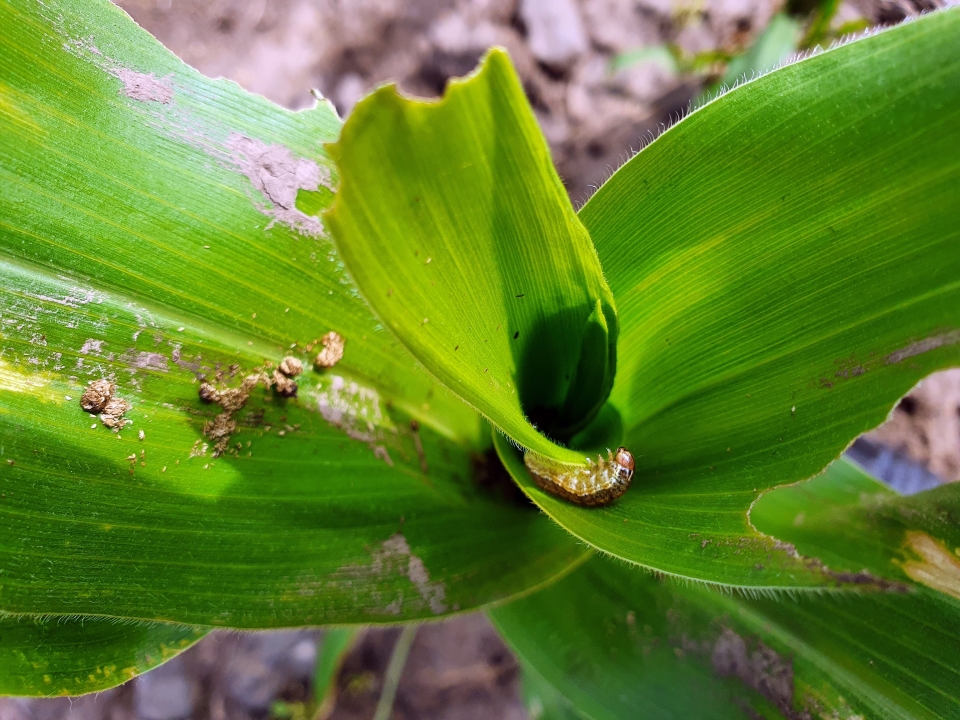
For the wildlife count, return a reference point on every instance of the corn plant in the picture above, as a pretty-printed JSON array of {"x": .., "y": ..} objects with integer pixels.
[{"x": 263, "y": 369}]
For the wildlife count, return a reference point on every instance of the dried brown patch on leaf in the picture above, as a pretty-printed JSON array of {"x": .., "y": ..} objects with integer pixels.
[
  {"x": 146, "y": 360},
  {"x": 933, "y": 564},
  {"x": 923, "y": 346},
  {"x": 356, "y": 411},
  {"x": 97, "y": 394}
]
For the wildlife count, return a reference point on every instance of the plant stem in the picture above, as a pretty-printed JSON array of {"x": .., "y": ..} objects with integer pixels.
[{"x": 398, "y": 659}]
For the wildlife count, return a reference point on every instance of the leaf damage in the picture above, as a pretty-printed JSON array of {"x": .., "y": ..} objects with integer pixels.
[
  {"x": 278, "y": 175},
  {"x": 923, "y": 346},
  {"x": 145, "y": 87},
  {"x": 863, "y": 579},
  {"x": 355, "y": 410},
  {"x": 273, "y": 169},
  {"x": 760, "y": 668},
  {"x": 394, "y": 558},
  {"x": 932, "y": 565}
]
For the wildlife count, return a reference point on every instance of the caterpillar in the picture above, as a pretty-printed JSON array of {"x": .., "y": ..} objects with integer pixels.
[{"x": 600, "y": 482}]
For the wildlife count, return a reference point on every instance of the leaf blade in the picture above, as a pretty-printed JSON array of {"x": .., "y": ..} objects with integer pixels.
[
  {"x": 639, "y": 641},
  {"x": 73, "y": 656},
  {"x": 784, "y": 265},
  {"x": 472, "y": 254},
  {"x": 127, "y": 165}
]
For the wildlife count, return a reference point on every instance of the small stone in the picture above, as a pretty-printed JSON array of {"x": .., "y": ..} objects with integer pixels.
[
  {"x": 555, "y": 29},
  {"x": 332, "y": 353},
  {"x": 284, "y": 385},
  {"x": 96, "y": 396},
  {"x": 290, "y": 366}
]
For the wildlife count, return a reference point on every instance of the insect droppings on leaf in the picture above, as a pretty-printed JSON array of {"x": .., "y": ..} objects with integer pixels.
[
  {"x": 96, "y": 396},
  {"x": 284, "y": 386},
  {"x": 208, "y": 393},
  {"x": 230, "y": 400},
  {"x": 291, "y": 366},
  {"x": 113, "y": 411},
  {"x": 332, "y": 353},
  {"x": 219, "y": 430}
]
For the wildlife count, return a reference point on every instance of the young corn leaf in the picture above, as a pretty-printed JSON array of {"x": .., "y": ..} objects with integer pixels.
[
  {"x": 72, "y": 656},
  {"x": 149, "y": 236},
  {"x": 455, "y": 226},
  {"x": 785, "y": 266},
  {"x": 334, "y": 647},
  {"x": 690, "y": 651}
]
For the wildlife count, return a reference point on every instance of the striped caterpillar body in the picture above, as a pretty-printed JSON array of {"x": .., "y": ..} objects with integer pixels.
[{"x": 600, "y": 482}]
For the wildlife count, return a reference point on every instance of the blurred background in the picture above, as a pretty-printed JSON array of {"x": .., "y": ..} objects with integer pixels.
[{"x": 604, "y": 77}]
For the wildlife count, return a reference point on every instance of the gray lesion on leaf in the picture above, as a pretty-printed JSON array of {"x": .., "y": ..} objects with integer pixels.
[
  {"x": 760, "y": 668},
  {"x": 279, "y": 175},
  {"x": 923, "y": 346},
  {"x": 145, "y": 360},
  {"x": 91, "y": 346},
  {"x": 391, "y": 559},
  {"x": 273, "y": 170},
  {"x": 356, "y": 411},
  {"x": 861, "y": 578},
  {"x": 145, "y": 87},
  {"x": 142, "y": 87}
]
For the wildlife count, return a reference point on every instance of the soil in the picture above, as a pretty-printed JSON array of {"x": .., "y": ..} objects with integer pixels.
[
  {"x": 594, "y": 119},
  {"x": 926, "y": 425}
]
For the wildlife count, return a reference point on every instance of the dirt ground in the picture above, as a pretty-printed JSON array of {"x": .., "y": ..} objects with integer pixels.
[{"x": 594, "y": 119}]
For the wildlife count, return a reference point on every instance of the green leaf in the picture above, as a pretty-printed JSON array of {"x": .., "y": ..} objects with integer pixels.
[
  {"x": 72, "y": 656},
  {"x": 334, "y": 647},
  {"x": 543, "y": 700},
  {"x": 777, "y": 43},
  {"x": 636, "y": 641},
  {"x": 785, "y": 266},
  {"x": 848, "y": 523},
  {"x": 148, "y": 235},
  {"x": 455, "y": 226}
]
